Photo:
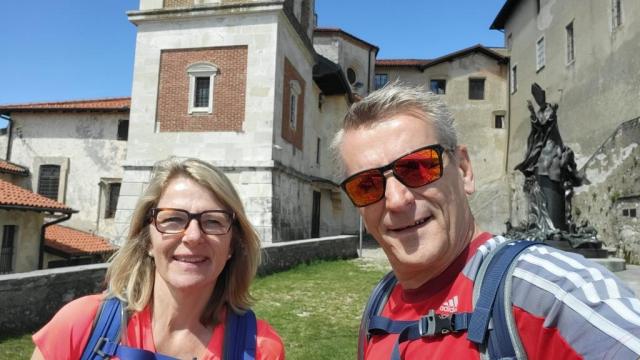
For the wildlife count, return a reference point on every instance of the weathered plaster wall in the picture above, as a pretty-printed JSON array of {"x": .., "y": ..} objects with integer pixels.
[
  {"x": 27, "y": 241},
  {"x": 474, "y": 121},
  {"x": 597, "y": 91},
  {"x": 613, "y": 172},
  {"x": 86, "y": 147}
]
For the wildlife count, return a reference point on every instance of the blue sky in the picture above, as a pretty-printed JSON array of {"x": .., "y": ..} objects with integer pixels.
[{"x": 83, "y": 49}]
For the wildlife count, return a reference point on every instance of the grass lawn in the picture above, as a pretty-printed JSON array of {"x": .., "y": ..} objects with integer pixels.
[{"x": 315, "y": 308}]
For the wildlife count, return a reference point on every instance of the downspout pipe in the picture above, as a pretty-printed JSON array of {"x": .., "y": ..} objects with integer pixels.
[
  {"x": 43, "y": 229},
  {"x": 9, "y": 134}
]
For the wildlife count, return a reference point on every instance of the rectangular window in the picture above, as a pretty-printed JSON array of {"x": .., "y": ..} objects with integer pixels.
[
  {"x": 293, "y": 111},
  {"x": 476, "y": 89},
  {"x": 498, "y": 121},
  {"x": 113, "y": 191},
  {"x": 123, "y": 129},
  {"x": 6, "y": 252},
  {"x": 632, "y": 212},
  {"x": 315, "y": 215},
  {"x": 570, "y": 50},
  {"x": 540, "y": 55},
  {"x": 509, "y": 41},
  {"x": 616, "y": 14},
  {"x": 201, "y": 98},
  {"x": 318, "y": 152},
  {"x": 438, "y": 86},
  {"x": 537, "y": 6},
  {"x": 49, "y": 181},
  {"x": 514, "y": 79},
  {"x": 381, "y": 80},
  {"x": 625, "y": 212}
]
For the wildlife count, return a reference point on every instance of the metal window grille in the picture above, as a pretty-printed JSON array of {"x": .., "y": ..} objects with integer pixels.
[
  {"x": 540, "y": 56},
  {"x": 476, "y": 89},
  {"x": 201, "y": 98},
  {"x": 49, "y": 181},
  {"x": 6, "y": 252}
]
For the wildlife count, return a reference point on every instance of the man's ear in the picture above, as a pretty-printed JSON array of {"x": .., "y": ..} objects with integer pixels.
[{"x": 465, "y": 169}]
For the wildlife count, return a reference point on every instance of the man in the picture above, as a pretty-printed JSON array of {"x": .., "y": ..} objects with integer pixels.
[{"x": 410, "y": 180}]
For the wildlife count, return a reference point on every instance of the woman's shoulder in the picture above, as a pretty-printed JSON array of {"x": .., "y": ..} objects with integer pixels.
[
  {"x": 270, "y": 345},
  {"x": 65, "y": 334}
]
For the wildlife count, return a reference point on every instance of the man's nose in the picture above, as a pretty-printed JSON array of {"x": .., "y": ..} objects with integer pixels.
[{"x": 397, "y": 195}]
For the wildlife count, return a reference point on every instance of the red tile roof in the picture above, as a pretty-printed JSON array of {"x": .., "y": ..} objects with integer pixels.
[
  {"x": 76, "y": 242},
  {"x": 402, "y": 62},
  {"x": 15, "y": 197},
  {"x": 95, "y": 105},
  {"x": 8, "y": 167}
]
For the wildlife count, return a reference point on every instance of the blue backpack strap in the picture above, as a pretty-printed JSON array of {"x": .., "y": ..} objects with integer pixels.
[
  {"x": 104, "y": 341},
  {"x": 375, "y": 304},
  {"x": 491, "y": 306},
  {"x": 107, "y": 325},
  {"x": 240, "y": 336}
]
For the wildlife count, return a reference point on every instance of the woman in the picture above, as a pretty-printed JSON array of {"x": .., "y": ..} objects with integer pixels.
[{"x": 188, "y": 261}]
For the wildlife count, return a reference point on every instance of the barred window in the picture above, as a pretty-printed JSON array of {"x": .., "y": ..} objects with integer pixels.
[
  {"x": 49, "y": 181},
  {"x": 201, "y": 98},
  {"x": 6, "y": 252},
  {"x": 476, "y": 89}
]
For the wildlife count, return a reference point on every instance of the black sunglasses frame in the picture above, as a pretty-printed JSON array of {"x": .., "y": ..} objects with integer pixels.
[
  {"x": 153, "y": 214},
  {"x": 439, "y": 149}
]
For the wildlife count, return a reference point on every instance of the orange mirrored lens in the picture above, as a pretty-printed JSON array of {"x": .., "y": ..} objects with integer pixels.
[
  {"x": 419, "y": 168},
  {"x": 366, "y": 188}
]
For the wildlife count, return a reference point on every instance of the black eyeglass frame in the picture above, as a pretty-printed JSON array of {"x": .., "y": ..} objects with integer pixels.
[
  {"x": 439, "y": 149},
  {"x": 153, "y": 219}
]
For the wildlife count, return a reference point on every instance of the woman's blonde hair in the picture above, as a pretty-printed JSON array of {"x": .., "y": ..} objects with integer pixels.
[{"x": 130, "y": 276}]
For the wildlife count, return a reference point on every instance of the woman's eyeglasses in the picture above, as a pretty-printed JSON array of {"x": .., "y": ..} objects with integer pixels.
[
  {"x": 175, "y": 221},
  {"x": 421, "y": 167}
]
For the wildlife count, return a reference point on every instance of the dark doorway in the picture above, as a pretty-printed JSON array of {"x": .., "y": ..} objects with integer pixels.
[{"x": 315, "y": 215}]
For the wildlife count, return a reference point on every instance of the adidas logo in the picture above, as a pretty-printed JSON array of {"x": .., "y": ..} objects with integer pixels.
[{"x": 450, "y": 306}]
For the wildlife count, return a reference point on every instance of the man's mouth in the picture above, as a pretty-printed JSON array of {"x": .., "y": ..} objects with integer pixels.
[{"x": 415, "y": 224}]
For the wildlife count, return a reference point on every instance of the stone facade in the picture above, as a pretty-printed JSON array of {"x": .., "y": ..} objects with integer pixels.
[
  {"x": 583, "y": 53},
  {"x": 90, "y": 156},
  {"x": 274, "y": 164}
]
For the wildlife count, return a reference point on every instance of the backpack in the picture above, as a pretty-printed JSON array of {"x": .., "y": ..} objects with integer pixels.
[
  {"x": 104, "y": 341},
  {"x": 490, "y": 323}
]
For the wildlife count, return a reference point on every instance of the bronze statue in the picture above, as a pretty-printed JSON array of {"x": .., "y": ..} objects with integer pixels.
[{"x": 550, "y": 174}]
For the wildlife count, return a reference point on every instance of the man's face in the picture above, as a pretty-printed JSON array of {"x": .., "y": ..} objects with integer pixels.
[{"x": 422, "y": 230}]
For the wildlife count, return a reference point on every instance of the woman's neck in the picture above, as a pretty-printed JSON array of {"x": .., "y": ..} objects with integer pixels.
[{"x": 178, "y": 308}]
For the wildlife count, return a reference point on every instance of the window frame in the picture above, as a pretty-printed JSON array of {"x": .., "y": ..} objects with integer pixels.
[
  {"x": 444, "y": 89},
  {"x": 473, "y": 80},
  {"x": 570, "y": 43},
  {"x": 53, "y": 180},
  {"x": 376, "y": 82},
  {"x": 294, "y": 94},
  {"x": 201, "y": 70},
  {"x": 541, "y": 56},
  {"x": 9, "y": 232},
  {"x": 110, "y": 205},
  {"x": 122, "y": 133},
  {"x": 616, "y": 14}
]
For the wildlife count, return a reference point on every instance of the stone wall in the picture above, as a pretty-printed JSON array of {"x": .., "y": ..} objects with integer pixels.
[{"x": 30, "y": 299}]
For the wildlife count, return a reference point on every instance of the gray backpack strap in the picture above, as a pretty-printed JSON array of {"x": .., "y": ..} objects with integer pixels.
[{"x": 511, "y": 322}]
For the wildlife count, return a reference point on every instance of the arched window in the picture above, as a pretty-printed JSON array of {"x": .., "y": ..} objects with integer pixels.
[{"x": 201, "y": 81}]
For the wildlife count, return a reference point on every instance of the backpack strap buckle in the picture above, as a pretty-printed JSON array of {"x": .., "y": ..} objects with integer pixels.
[{"x": 435, "y": 324}]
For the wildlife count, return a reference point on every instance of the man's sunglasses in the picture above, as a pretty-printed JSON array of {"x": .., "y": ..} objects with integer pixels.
[{"x": 418, "y": 168}]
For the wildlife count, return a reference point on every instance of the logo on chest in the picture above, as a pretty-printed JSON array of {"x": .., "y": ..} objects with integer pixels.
[{"x": 449, "y": 306}]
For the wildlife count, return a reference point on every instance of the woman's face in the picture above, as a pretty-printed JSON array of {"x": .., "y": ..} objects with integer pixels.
[{"x": 190, "y": 259}]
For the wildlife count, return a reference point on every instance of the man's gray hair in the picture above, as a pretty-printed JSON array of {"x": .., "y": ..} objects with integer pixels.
[{"x": 396, "y": 98}]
